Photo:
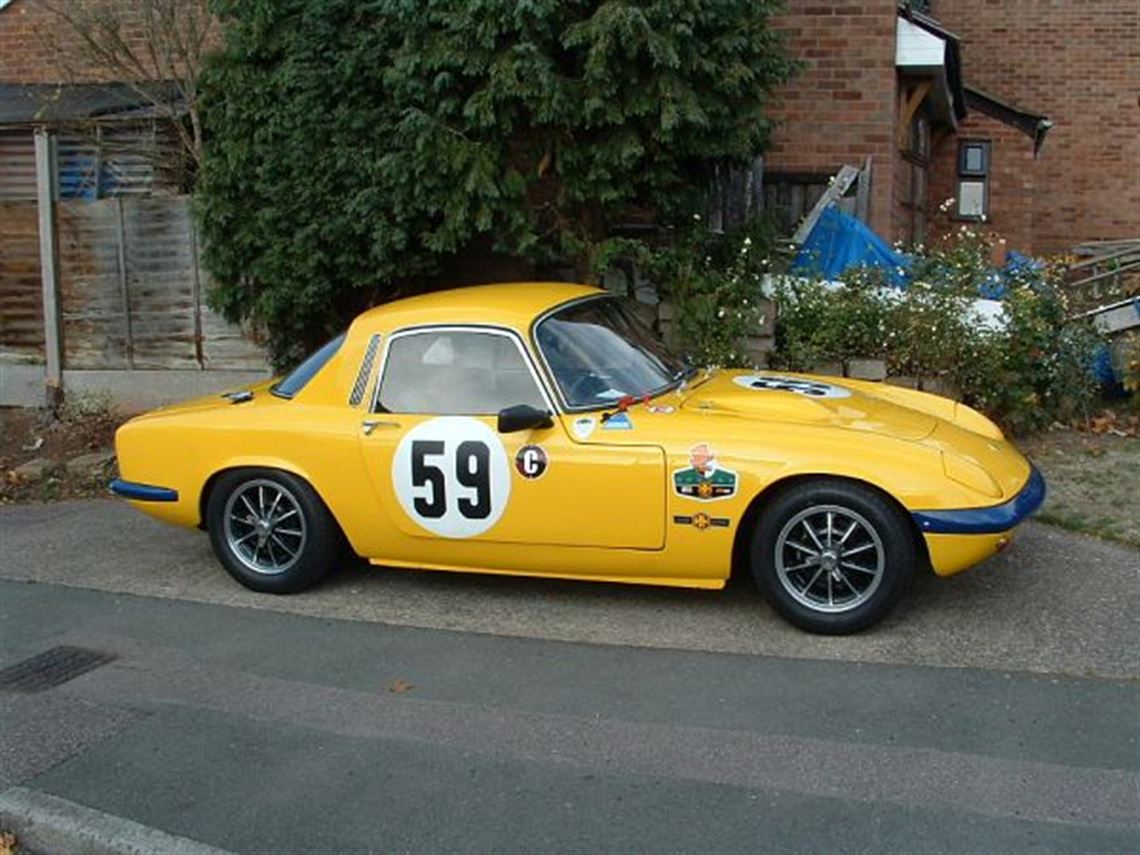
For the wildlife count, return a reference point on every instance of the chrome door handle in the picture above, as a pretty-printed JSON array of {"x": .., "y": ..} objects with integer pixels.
[{"x": 371, "y": 425}]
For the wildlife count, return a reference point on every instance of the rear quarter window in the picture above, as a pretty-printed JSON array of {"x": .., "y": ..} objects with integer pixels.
[{"x": 295, "y": 380}]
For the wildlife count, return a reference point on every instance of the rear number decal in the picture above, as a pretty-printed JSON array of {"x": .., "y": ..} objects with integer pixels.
[{"x": 451, "y": 476}]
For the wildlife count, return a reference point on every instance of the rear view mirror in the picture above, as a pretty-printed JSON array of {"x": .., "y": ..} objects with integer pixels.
[{"x": 523, "y": 417}]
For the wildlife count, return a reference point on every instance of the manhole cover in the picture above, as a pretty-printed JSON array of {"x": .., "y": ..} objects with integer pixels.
[{"x": 51, "y": 668}]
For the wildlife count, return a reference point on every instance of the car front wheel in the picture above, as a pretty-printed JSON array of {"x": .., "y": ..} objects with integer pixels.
[
  {"x": 832, "y": 556},
  {"x": 271, "y": 531}
]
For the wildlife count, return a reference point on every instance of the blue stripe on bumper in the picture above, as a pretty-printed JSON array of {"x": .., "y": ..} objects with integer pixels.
[
  {"x": 986, "y": 520},
  {"x": 142, "y": 492}
]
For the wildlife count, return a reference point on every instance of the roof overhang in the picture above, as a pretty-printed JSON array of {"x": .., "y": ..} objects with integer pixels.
[
  {"x": 51, "y": 103},
  {"x": 924, "y": 52},
  {"x": 1033, "y": 125}
]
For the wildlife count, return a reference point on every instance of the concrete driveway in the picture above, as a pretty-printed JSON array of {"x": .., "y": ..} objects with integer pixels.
[{"x": 1055, "y": 603}]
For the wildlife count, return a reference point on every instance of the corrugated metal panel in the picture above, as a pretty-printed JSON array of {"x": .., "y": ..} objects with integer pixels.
[
  {"x": 17, "y": 165},
  {"x": 21, "y": 295}
]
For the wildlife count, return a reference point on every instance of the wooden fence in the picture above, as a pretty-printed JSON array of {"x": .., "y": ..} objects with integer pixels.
[{"x": 131, "y": 288}]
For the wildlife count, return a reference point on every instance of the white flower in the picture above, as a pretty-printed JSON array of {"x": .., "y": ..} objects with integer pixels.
[
  {"x": 720, "y": 313},
  {"x": 697, "y": 217}
]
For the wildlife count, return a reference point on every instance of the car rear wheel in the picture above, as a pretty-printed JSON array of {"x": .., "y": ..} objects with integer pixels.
[
  {"x": 271, "y": 531},
  {"x": 832, "y": 556}
]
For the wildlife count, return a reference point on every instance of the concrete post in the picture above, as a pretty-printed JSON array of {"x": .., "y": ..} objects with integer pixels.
[{"x": 46, "y": 196}]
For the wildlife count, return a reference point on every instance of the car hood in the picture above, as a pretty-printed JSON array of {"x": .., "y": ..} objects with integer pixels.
[{"x": 804, "y": 399}]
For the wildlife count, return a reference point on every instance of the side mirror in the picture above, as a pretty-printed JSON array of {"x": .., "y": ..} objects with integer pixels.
[{"x": 523, "y": 417}]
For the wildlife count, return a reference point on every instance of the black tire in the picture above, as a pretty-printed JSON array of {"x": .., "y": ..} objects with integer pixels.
[
  {"x": 852, "y": 585},
  {"x": 316, "y": 550}
]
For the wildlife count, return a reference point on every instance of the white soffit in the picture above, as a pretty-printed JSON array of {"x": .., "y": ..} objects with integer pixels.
[{"x": 916, "y": 48}]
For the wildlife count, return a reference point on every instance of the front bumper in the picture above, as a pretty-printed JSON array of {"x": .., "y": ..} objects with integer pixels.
[{"x": 991, "y": 520}]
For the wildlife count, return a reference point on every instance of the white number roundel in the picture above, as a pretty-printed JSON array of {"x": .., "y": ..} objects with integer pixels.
[{"x": 451, "y": 476}]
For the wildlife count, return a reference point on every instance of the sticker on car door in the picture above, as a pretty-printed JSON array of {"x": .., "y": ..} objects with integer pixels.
[{"x": 451, "y": 476}]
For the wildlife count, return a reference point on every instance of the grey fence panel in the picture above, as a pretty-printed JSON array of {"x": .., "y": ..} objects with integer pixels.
[
  {"x": 91, "y": 298},
  {"x": 133, "y": 292}
]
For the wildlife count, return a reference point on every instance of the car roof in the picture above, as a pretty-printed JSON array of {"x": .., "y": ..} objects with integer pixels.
[{"x": 513, "y": 304}]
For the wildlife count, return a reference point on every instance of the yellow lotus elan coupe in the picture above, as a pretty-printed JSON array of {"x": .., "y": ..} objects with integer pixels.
[{"x": 540, "y": 429}]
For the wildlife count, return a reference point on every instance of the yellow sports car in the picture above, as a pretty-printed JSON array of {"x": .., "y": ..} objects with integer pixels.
[{"x": 540, "y": 429}]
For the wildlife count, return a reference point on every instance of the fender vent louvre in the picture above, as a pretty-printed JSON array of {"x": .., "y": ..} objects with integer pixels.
[{"x": 365, "y": 372}]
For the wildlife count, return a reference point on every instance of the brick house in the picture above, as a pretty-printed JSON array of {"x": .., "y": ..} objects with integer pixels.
[
  {"x": 1030, "y": 116},
  {"x": 1024, "y": 112}
]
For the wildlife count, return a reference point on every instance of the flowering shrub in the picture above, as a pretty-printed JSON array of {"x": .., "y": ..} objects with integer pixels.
[
  {"x": 1028, "y": 368},
  {"x": 713, "y": 282}
]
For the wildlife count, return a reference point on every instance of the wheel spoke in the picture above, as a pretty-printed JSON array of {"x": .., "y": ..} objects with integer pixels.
[
  {"x": 273, "y": 507},
  {"x": 290, "y": 553},
  {"x": 286, "y": 516},
  {"x": 830, "y": 592},
  {"x": 830, "y": 518},
  {"x": 843, "y": 578},
  {"x": 847, "y": 553},
  {"x": 794, "y": 545},
  {"x": 803, "y": 566},
  {"x": 851, "y": 566},
  {"x": 290, "y": 531},
  {"x": 812, "y": 534},
  {"x": 261, "y": 501},
  {"x": 252, "y": 509},
  {"x": 811, "y": 581},
  {"x": 245, "y": 537},
  {"x": 848, "y": 533}
]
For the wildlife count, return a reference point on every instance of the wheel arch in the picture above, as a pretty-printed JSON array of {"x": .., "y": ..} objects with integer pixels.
[
  {"x": 235, "y": 465},
  {"x": 743, "y": 537}
]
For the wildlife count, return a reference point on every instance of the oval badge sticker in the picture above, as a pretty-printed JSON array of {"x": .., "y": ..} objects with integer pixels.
[{"x": 531, "y": 462}]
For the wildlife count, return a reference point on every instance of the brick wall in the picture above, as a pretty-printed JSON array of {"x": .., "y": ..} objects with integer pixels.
[
  {"x": 1079, "y": 64},
  {"x": 1013, "y": 180},
  {"x": 30, "y": 37},
  {"x": 34, "y": 42},
  {"x": 841, "y": 107}
]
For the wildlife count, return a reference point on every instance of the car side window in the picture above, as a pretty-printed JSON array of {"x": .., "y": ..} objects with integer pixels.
[{"x": 455, "y": 373}]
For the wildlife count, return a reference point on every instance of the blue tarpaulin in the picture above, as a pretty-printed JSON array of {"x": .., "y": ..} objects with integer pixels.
[{"x": 838, "y": 241}]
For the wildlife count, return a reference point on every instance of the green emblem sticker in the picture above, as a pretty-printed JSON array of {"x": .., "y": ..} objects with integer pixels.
[{"x": 704, "y": 480}]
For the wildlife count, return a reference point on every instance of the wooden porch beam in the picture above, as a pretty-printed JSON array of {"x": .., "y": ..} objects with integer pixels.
[{"x": 908, "y": 103}]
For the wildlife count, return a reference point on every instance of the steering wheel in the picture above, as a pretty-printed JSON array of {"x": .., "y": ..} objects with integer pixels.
[{"x": 578, "y": 385}]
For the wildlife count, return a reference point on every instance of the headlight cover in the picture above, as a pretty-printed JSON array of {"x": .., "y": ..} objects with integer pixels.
[{"x": 970, "y": 475}]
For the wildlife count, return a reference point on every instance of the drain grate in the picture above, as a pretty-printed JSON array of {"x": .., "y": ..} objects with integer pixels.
[{"x": 51, "y": 668}]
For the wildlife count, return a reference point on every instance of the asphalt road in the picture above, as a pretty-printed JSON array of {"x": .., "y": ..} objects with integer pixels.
[
  {"x": 1053, "y": 603},
  {"x": 998, "y": 711},
  {"x": 259, "y": 731}
]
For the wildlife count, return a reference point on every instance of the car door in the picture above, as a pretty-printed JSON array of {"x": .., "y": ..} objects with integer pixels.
[{"x": 440, "y": 469}]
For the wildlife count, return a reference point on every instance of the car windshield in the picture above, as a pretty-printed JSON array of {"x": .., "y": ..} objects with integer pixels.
[{"x": 599, "y": 353}]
